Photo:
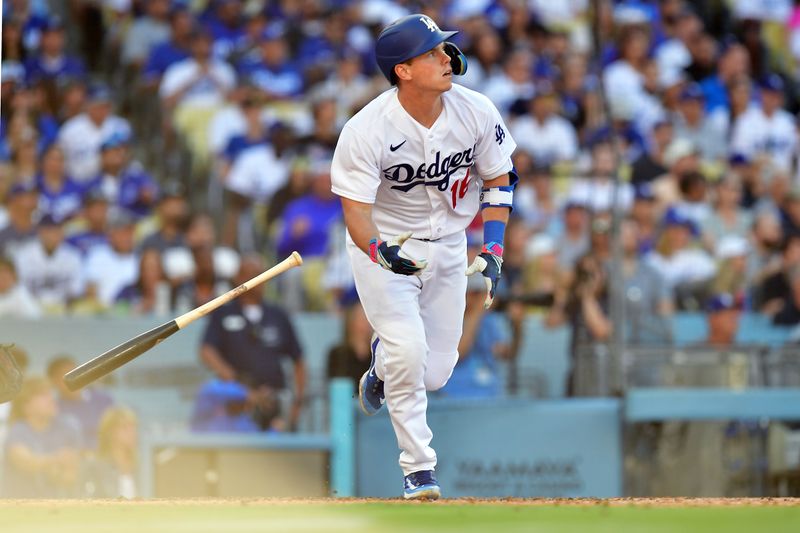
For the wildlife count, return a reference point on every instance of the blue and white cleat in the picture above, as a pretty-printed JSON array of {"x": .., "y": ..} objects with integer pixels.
[
  {"x": 421, "y": 485},
  {"x": 370, "y": 387}
]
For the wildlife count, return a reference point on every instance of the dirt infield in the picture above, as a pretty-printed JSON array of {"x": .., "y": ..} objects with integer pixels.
[{"x": 533, "y": 502}]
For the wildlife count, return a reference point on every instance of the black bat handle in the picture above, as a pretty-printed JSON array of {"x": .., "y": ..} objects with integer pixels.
[{"x": 118, "y": 356}]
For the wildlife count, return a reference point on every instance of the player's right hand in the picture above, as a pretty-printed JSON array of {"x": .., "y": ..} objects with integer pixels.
[{"x": 388, "y": 255}]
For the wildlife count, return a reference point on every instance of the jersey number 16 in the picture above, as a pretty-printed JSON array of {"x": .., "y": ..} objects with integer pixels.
[{"x": 459, "y": 188}]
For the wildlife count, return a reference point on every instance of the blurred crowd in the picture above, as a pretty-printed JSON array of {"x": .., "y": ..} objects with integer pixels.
[{"x": 147, "y": 146}]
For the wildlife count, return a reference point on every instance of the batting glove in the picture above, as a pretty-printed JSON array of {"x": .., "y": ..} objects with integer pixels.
[
  {"x": 489, "y": 263},
  {"x": 389, "y": 256}
]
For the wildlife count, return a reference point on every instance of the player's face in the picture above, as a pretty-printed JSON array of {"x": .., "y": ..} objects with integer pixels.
[{"x": 431, "y": 70}]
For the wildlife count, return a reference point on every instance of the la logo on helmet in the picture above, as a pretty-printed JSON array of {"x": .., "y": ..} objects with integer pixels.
[{"x": 429, "y": 23}]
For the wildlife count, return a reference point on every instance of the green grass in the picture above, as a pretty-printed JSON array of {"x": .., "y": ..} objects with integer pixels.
[{"x": 238, "y": 517}]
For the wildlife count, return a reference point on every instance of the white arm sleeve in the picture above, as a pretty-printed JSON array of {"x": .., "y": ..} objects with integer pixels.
[
  {"x": 355, "y": 169},
  {"x": 494, "y": 147}
]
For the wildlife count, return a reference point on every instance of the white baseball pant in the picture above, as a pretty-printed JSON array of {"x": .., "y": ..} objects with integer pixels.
[{"x": 418, "y": 320}]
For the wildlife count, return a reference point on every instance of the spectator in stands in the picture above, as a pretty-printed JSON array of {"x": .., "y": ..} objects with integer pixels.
[
  {"x": 731, "y": 252},
  {"x": 733, "y": 63},
  {"x": 111, "y": 268},
  {"x": 321, "y": 140},
  {"x": 193, "y": 89},
  {"x": 256, "y": 174},
  {"x": 42, "y": 448},
  {"x": 693, "y": 202},
  {"x": 596, "y": 191},
  {"x": 485, "y": 339},
  {"x": 644, "y": 214},
  {"x": 21, "y": 203},
  {"x": 81, "y": 136},
  {"x": 275, "y": 75},
  {"x": 765, "y": 259},
  {"x": 228, "y": 407},
  {"x": 514, "y": 82},
  {"x": 542, "y": 276},
  {"x": 692, "y": 123},
  {"x": 92, "y": 232},
  {"x": 173, "y": 213},
  {"x": 790, "y": 212},
  {"x": 351, "y": 88},
  {"x": 59, "y": 196},
  {"x": 351, "y": 356},
  {"x": 574, "y": 239},
  {"x": 50, "y": 268},
  {"x": 723, "y": 311},
  {"x": 650, "y": 165},
  {"x": 15, "y": 299},
  {"x": 52, "y": 62},
  {"x": 145, "y": 33},
  {"x": 307, "y": 225},
  {"x": 124, "y": 182},
  {"x": 176, "y": 49},
  {"x": 680, "y": 157},
  {"x": 245, "y": 341},
  {"x": 685, "y": 267},
  {"x": 585, "y": 306},
  {"x": 112, "y": 472},
  {"x": 776, "y": 284},
  {"x": 150, "y": 293},
  {"x": 727, "y": 218},
  {"x": 768, "y": 132},
  {"x": 624, "y": 78},
  {"x": 204, "y": 284},
  {"x": 20, "y": 357},
  {"x": 548, "y": 137},
  {"x": 788, "y": 311},
  {"x": 86, "y": 406}
]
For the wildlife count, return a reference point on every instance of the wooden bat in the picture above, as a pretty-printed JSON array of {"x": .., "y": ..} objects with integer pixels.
[{"x": 129, "y": 350}]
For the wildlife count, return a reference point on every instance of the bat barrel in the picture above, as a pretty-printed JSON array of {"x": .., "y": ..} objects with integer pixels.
[{"x": 118, "y": 356}]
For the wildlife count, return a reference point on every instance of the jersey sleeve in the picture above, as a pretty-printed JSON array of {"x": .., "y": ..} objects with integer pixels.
[
  {"x": 494, "y": 147},
  {"x": 355, "y": 169}
]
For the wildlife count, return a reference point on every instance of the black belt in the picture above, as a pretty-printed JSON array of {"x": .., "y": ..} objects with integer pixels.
[{"x": 424, "y": 240}]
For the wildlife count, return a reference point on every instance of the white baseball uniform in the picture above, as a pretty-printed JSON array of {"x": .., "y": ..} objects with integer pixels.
[{"x": 427, "y": 181}]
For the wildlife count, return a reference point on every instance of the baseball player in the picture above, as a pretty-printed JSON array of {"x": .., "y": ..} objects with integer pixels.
[{"x": 412, "y": 169}]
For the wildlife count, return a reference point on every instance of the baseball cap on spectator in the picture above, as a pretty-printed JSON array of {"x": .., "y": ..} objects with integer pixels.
[
  {"x": 98, "y": 92},
  {"x": 675, "y": 217},
  {"x": 274, "y": 31},
  {"x": 49, "y": 220},
  {"x": 732, "y": 246},
  {"x": 644, "y": 191},
  {"x": 723, "y": 302},
  {"x": 772, "y": 82},
  {"x": 120, "y": 218},
  {"x": 738, "y": 158},
  {"x": 677, "y": 150},
  {"x": 54, "y": 23},
  {"x": 20, "y": 188},
  {"x": 692, "y": 91},
  {"x": 12, "y": 71},
  {"x": 115, "y": 140},
  {"x": 541, "y": 244},
  {"x": 94, "y": 195},
  {"x": 172, "y": 189}
]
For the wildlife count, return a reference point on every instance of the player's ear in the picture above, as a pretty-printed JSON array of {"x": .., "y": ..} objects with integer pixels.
[{"x": 402, "y": 71}]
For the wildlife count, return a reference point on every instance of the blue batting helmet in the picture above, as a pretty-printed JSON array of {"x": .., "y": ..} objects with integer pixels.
[{"x": 411, "y": 36}]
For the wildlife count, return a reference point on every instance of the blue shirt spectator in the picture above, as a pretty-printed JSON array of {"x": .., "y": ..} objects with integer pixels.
[
  {"x": 273, "y": 73},
  {"x": 124, "y": 183},
  {"x": 52, "y": 63},
  {"x": 59, "y": 195},
  {"x": 308, "y": 220},
  {"x": 221, "y": 406}
]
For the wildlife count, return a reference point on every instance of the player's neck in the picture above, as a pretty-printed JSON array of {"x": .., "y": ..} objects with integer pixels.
[{"x": 423, "y": 106}]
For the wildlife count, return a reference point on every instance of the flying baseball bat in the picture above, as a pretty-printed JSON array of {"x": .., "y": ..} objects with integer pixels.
[{"x": 127, "y": 351}]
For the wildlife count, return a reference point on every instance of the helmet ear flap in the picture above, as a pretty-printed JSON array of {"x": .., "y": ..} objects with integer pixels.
[{"x": 458, "y": 61}]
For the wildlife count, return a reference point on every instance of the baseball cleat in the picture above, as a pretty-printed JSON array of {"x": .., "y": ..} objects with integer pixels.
[
  {"x": 421, "y": 485},
  {"x": 370, "y": 387}
]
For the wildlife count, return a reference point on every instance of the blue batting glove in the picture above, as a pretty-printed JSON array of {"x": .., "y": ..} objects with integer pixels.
[
  {"x": 489, "y": 263},
  {"x": 387, "y": 254}
]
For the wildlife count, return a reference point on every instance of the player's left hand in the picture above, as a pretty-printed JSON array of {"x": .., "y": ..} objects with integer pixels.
[{"x": 489, "y": 265}]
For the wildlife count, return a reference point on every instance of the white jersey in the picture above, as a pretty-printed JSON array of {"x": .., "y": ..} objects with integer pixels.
[
  {"x": 426, "y": 181},
  {"x": 80, "y": 138},
  {"x": 52, "y": 279},
  {"x": 755, "y": 133}
]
